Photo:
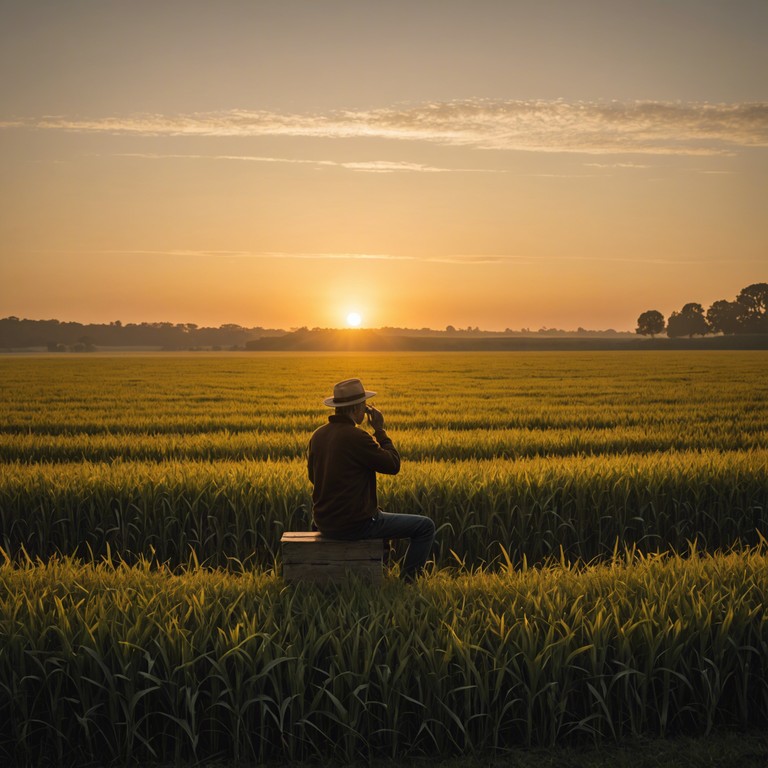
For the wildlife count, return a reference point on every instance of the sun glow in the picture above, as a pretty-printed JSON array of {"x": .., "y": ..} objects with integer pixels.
[{"x": 354, "y": 319}]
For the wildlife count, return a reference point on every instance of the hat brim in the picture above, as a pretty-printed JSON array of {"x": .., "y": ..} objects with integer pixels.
[{"x": 331, "y": 403}]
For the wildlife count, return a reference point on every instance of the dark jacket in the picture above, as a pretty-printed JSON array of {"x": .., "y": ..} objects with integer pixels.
[{"x": 342, "y": 463}]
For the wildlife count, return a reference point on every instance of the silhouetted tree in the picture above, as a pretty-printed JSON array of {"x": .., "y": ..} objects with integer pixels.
[
  {"x": 689, "y": 321},
  {"x": 650, "y": 323},
  {"x": 85, "y": 344},
  {"x": 754, "y": 299},
  {"x": 726, "y": 317}
]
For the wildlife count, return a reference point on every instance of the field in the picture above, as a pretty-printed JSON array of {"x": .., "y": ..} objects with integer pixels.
[{"x": 600, "y": 571}]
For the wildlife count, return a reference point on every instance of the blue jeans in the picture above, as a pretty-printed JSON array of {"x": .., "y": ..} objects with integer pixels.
[{"x": 388, "y": 525}]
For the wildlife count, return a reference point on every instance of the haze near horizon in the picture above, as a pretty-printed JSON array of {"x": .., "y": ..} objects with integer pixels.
[{"x": 351, "y": 163}]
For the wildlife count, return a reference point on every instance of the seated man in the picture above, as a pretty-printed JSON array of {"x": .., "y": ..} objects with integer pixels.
[{"x": 343, "y": 461}]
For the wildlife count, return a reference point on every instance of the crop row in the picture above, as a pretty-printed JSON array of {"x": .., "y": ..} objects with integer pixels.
[
  {"x": 415, "y": 445},
  {"x": 533, "y": 508},
  {"x": 459, "y": 413},
  {"x": 103, "y": 665}
]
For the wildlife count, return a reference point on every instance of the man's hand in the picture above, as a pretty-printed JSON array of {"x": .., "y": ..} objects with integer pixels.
[{"x": 375, "y": 417}]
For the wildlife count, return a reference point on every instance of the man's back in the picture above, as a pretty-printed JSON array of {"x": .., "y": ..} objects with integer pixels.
[{"x": 342, "y": 464}]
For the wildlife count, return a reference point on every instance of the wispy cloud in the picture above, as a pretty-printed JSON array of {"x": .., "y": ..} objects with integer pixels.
[
  {"x": 617, "y": 165},
  {"x": 367, "y": 166},
  {"x": 476, "y": 259},
  {"x": 204, "y": 253},
  {"x": 463, "y": 258},
  {"x": 387, "y": 166},
  {"x": 337, "y": 256},
  {"x": 241, "y": 158},
  {"x": 647, "y": 127}
]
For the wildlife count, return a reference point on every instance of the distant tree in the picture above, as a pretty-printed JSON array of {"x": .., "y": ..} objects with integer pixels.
[
  {"x": 85, "y": 344},
  {"x": 726, "y": 317},
  {"x": 754, "y": 299},
  {"x": 689, "y": 321},
  {"x": 450, "y": 329},
  {"x": 650, "y": 323}
]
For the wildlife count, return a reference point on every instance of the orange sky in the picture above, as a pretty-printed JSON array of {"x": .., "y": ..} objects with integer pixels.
[{"x": 493, "y": 164}]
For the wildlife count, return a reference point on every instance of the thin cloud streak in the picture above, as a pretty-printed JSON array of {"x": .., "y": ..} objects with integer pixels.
[
  {"x": 387, "y": 166},
  {"x": 187, "y": 253},
  {"x": 365, "y": 166},
  {"x": 457, "y": 259},
  {"x": 617, "y": 165},
  {"x": 646, "y": 127}
]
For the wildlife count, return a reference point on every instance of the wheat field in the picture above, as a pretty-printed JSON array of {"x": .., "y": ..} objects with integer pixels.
[{"x": 600, "y": 570}]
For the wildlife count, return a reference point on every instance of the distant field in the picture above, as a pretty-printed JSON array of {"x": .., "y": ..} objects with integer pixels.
[{"x": 532, "y": 452}]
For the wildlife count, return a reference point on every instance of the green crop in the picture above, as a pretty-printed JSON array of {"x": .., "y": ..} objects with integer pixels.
[
  {"x": 600, "y": 567},
  {"x": 224, "y": 511},
  {"x": 140, "y": 664},
  {"x": 539, "y": 453}
]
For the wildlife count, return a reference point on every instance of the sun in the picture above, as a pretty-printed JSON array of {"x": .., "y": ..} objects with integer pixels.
[{"x": 354, "y": 319}]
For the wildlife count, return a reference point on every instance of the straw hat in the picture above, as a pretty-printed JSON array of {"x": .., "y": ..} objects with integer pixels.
[{"x": 348, "y": 392}]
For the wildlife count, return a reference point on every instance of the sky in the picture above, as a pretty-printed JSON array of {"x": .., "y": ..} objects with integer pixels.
[{"x": 283, "y": 163}]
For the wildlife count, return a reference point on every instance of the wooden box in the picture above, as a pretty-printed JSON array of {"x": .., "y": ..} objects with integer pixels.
[{"x": 309, "y": 556}]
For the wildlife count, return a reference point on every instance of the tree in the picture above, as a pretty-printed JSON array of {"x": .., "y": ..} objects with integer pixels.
[
  {"x": 689, "y": 321},
  {"x": 650, "y": 323},
  {"x": 754, "y": 300},
  {"x": 726, "y": 317}
]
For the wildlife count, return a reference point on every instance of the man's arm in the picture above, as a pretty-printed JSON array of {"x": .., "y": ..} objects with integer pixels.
[
  {"x": 383, "y": 457},
  {"x": 392, "y": 466},
  {"x": 380, "y": 454}
]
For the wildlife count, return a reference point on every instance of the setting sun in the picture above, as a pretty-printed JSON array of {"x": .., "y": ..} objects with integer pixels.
[{"x": 354, "y": 319}]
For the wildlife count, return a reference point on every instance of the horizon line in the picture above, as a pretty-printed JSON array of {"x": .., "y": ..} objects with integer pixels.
[{"x": 295, "y": 329}]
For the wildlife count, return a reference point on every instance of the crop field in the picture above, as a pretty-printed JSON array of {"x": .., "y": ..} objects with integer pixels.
[
  {"x": 601, "y": 569},
  {"x": 531, "y": 453}
]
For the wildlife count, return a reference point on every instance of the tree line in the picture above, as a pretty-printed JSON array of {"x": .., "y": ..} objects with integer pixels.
[
  {"x": 59, "y": 336},
  {"x": 748, "y": 313}
]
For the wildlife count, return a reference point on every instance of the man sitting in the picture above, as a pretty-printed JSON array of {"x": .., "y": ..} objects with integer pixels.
[{"x": 342, "y": 463}]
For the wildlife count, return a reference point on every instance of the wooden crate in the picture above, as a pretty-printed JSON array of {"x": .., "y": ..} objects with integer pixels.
[{"x": 309, "y": 556}]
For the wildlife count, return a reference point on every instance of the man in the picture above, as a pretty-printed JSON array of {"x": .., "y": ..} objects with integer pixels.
[{"x": 343, "y": 461}]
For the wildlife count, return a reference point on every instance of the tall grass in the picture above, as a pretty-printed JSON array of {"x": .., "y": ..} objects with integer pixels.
[
  {"x": 142, "y": 499},
  {"x": 101, "y": 663},
  {"x": 533, "y": 508},
  {"x": 423, "y": 444}
]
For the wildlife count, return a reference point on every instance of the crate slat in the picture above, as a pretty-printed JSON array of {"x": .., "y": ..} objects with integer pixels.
[{"x": 309, "y": 556}]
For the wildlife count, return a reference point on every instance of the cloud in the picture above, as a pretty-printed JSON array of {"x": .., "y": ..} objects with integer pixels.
[
  {"x": 386, "y": 166},
  {"x": 462, "y": 258},
  {"x": 646, "y": 127},
  {"x": 203, "y": 253},
  {"x": 456, "y": 259},
  {"x": 336, "y": 256},
  {"x": 617, "y": 165},
  {"x": 367, "y": 166}
]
